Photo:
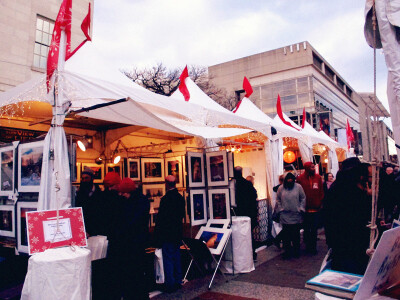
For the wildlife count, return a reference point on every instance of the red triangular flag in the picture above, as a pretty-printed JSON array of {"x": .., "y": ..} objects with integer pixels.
[
  {"x": 63, "y": 22},
  {"x": 349, "y": 134},
  {"x": 304, "y": 118},
  {"x": 280, "y": 114},
  {"x": 237, "y": 106},
  {"x": 85, "y": 26},
  {"x": 247, "y": 87},
  {"x": 182, "y": 85}
]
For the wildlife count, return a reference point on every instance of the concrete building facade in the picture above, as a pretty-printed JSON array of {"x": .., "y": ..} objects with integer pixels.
[
  {"x": 303, "y": 79},
  {"x": 26, "y": 27}
]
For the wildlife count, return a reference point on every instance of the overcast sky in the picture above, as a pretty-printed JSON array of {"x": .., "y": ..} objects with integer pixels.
[{"x": 129, "y": 33}]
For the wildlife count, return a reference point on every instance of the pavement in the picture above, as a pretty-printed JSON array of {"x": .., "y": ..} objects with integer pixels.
[{"x": 273, "y": 278}]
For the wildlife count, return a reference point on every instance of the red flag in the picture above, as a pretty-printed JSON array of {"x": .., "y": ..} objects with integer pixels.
[
  {"x": 247, "y": 87},
  {"x": 85, "y": 26},
  {"x": 280, "y": 114},
  {"x": 349, "y": 134},
  {"x": 237, "y": 106},
  {"x": 304, "y": 118},
  {"x": 63, "y": 22},
  {"x": 182, "y": 85}
]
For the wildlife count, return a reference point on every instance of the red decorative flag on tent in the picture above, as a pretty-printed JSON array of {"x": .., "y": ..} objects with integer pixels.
[
  {"x": 303, "y": 123},
  {"x": 280, "y": 114},
  {"x": 63, "y": 22},
  {"x": 182, "y": 85},
  {"x": 248, "y": 89},
  {"x": 349, "y": 134}
]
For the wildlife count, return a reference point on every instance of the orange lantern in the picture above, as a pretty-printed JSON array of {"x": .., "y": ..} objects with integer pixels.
[{"x": 289, "y": 157}]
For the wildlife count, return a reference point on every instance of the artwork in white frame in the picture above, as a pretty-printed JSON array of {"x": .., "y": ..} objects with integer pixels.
[
  {"x": 22, "y": 209},
  {"x": 214, "y": 238},
  {"x": 217, "y": 168},
  {"x": 198, "y": 207},
  {"x": 98, "y": 171},
  {"x": 134, "y": 169},
  {"x": 7, "y": 220},
  {"x": 154, "y": 192},
  {"x": 152, "y": 169},
  {"x": 7, "y": 163},
  {"x": 173, "y": 166},
  {"x": 218, "y": 204},
  {"x": 30, "y": 157},
  {"x": 195, "y": 169},
  {"x": 117, "y": 168},
  {"x": 218, "y": 223}
]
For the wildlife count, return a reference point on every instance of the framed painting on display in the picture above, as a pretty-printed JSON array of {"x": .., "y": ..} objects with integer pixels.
[
  {"x": 22, "y": 209},
  {"x": 7, "y": 162},
  {"x": 195, "y": 169},
  {"x": 218, "y": 203},
  {"x": 218, "y": 223},
  {"x": 154, "y": 192},
  {"x": 98, "y": 171},
  {"x": 198, "y": 207},
  {"x": 30, "y": 157},
  {"x": 214, "y": 238},
  {"x": 7, "y": 220},
  {"x": 134, "y": 169},
  {"x": 173, "y": 166},
  {"x": 217, "y": 168},
  {"x": 152, "y": 169},
  {"x": 115, "y": 168}
]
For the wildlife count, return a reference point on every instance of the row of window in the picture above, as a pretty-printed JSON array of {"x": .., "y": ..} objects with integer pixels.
[{"x": 44, "y": 30}]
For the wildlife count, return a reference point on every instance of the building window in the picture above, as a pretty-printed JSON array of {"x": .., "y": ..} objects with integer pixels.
[
  {"x": 348, "y": 92},
  {"x": 44, "y": 30},
  {"x": 340, "y": 83},
  {"x": 329, "y": 73},
  {"x": 317, "y": 61}
]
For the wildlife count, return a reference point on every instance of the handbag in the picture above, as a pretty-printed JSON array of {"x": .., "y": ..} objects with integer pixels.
[{"x": 159, "y": 266}]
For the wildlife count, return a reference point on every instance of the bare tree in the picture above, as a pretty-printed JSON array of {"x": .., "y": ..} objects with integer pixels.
[{"x": 161, "y": 80}]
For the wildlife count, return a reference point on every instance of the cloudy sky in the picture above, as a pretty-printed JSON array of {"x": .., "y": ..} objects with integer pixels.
[{"x": 129, "y": 33}]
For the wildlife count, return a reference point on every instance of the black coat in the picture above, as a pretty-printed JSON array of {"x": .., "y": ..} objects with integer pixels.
[
  {"x": 168, "y": 227},
  {"x": 246, "y": 200}
]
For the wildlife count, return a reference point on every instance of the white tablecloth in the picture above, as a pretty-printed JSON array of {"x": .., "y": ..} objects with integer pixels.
[
  {"x": 242, "y": 248},
  {"x": 58, "y": 274}
]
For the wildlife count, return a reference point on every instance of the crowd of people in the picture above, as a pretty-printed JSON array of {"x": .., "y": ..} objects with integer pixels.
[{"x": 341, "y": 205}]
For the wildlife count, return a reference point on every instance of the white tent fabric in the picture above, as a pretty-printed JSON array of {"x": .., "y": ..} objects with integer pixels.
[
  {"x": 388, "y": 17},
  {"x": 305, "y": 152},
  {"x": 334, "y": 161},
  {"x": 275, "y": 163}
]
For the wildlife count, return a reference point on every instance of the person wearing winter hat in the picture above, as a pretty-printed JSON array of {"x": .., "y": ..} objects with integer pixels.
[
  {"x": 112, "y": 181},
  {"x": 127, "y": 243}
]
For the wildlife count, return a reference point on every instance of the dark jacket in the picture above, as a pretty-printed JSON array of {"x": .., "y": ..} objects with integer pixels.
[
  {"x": 246, "y": 199},
  {"x": 131, "y": 225},
  {"x": 168, "y": 227},
  {"x": 89, "y": 201}
]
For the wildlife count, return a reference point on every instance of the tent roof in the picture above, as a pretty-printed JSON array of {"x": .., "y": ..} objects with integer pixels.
[{"x": 143, "y": 107}]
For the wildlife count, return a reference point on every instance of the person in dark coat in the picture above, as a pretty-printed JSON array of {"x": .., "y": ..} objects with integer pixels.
[
  {"x": 88, "y": 197},
  {"x": 128, "y": 241},
  {"x": 246, "y": 201},
  {"x": 347, "y": 212},
  {"x": 312, "y": 186},
  {"x": 168, "y": 233}
]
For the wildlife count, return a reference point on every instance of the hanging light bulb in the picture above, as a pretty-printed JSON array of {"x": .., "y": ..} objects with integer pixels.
[{"x": 82, "y": 144}]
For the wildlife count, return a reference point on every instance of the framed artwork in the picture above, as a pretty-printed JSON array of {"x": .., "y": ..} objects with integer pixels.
[
  {"x": 98, "y": 171},
  {"x": 195, "y": 169},
  {"x": 221, "y": 223},
  {"x": 173, "y": 166},
  {"x": 218, "y": 203},
  {"x": 232, "y": 191},
  {"x": 152, "y": 169},
  {"x": 7, "y": 163},
  {"x": 154, "y": 192},
  {"x": 217, "y": 168},
  {"x": 214, "y": 238},
  {"x": 22, "y": 209},
  {"x": 134, "y": 169},
  {"x": 7, "y": 220},
  {"x": 30, "y": 157},
  {"x": 198, "y": 207},
  {"x": 115, "y": 168}
]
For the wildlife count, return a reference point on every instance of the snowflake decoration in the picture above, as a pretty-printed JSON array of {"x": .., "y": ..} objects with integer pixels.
[
  {"x": 35, "y": 219},
  {"x": 44, "y": 248},
  {"x": 68, "y": 211},
  {"x": 35, "y": 239},
  {"x": 31, "y": 226},
  {"x": 41, "y": 214},
  {"x": 82, "y": 228},
  {"x": 81, "y": 235},
  {"x": 83, "y": 242},
  {"x": 74, "y": 214}
]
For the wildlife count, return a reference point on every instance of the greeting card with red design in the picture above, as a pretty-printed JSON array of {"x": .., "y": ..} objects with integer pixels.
[{"x": 46, "y": 231}]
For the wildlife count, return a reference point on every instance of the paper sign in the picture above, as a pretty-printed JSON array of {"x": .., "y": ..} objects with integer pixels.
[{"x": 45, "y": 231}]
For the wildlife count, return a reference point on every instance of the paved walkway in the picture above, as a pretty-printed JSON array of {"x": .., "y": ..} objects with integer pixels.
[{"x": 274, "y": 278}]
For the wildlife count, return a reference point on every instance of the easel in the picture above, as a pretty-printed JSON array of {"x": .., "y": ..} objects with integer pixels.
[{"x": 191, "y": 244}]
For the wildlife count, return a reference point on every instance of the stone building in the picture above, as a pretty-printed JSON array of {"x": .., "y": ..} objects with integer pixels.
[
  {"x": 25, "y": 35},
  {"x": 303, "y": 79}
]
